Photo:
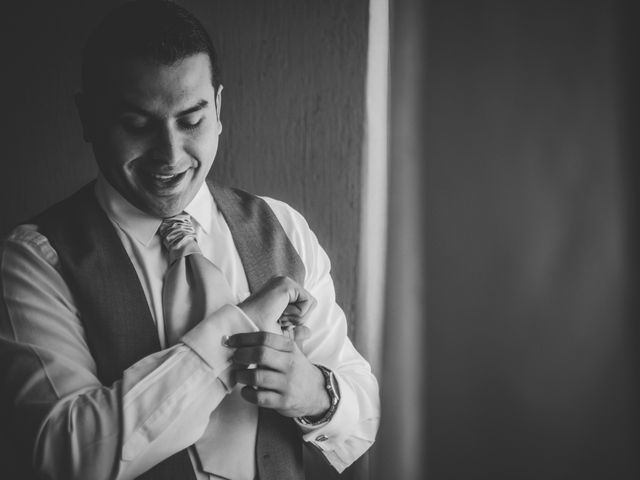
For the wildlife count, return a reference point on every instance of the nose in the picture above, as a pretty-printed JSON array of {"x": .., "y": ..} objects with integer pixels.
[{"x": 167, "y": 148}]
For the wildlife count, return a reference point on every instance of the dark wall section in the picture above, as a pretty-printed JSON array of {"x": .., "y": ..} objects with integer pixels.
[
  {"x": 293, "y": 113},
  {"x": 532, "y": 351},
  {"x": 44, "y": 157},
  {"x": 292, "y": 109}
]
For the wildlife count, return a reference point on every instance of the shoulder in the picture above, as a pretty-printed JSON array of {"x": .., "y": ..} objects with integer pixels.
[
  {"x": 302, "y": 238},
  {"x": 291, "y": 220},
  {"x": 30, "y": 241},
  {"x": 29, "y": 244},
  {"x": 293, "y": 224},
  {"x": 240, "y": 205}
]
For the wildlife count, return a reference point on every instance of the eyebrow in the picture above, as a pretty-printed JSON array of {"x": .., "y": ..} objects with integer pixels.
[{"x": 125, "y": 106}]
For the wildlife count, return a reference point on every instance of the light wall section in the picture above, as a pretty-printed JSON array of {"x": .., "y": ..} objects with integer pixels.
[
  {"x": 399, "y": 451},
  {"x": 373, "y": 230}
]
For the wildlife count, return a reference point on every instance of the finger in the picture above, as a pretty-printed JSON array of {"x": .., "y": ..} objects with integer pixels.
[
  {"x": 261, "y": 378},
  {"x": 256, "y": 339},
  {"x": 301, "y": 301},
  {"x": 262, "y": 398},
  {"x": 262, "y": 356},
  {"x": 301, "y": 332},
  {"x": 298, "y": 295},
  {"x": 296, "y": 313}
]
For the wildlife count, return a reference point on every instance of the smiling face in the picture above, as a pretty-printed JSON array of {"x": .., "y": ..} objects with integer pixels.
[{"x": 155, "y": 133}]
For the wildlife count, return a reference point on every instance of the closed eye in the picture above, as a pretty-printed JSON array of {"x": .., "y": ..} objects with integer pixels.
[{"x": 191, "y": 122}]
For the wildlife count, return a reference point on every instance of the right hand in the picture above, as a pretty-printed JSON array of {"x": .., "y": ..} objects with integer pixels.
[{"x": 279, "y": 299}]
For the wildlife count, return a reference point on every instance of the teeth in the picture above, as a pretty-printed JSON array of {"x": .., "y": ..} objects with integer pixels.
[{"x": 164, "y": 178}]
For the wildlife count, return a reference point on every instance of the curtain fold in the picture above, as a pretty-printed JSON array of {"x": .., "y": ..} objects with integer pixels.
[{"x": 511, "y": 338}]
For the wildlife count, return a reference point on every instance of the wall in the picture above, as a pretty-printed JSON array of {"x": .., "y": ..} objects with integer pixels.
[{"x": 293, "y": 106}]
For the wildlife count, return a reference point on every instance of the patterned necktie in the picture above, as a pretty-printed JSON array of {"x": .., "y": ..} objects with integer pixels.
[{"x": 194, "y": 288}]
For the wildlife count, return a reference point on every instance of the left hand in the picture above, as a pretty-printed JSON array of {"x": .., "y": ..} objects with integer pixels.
[
  {"x": 280, "y": 300},
  {"x": 284, "y": 378}
]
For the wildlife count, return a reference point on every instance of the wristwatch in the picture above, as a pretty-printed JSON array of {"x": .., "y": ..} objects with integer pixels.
[{"x": 332, "y": 389}]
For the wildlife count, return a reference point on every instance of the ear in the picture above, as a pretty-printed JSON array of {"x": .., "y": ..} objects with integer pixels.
[
  {"x": 218, "y": 108},
  {"x": 86, "y": 115}
]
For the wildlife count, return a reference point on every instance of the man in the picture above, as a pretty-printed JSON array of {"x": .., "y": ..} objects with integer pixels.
[{"x": 156, "y": 326}]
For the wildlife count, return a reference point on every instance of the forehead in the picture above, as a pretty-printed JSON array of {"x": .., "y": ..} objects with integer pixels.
[{"x": 160, "y": 87}]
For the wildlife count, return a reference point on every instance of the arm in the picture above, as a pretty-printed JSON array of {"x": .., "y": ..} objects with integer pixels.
[
  {"x": 75, "y": 426},
  {"x": 298, "y": 387}
]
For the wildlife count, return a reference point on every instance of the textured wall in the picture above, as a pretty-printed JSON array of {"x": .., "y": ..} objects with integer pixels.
[{"x": 292, "y": 109}]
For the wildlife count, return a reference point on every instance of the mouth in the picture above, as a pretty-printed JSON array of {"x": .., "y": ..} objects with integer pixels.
[
  {"x": 167, "y": 178},
  {"x": 163, "y": 183}
]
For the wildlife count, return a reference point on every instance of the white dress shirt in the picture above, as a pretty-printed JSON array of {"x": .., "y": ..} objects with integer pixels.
[{"x": 162, "y": 403}]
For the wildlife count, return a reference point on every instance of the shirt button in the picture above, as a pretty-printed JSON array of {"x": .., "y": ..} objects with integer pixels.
[{"x": 321, "y": 438}]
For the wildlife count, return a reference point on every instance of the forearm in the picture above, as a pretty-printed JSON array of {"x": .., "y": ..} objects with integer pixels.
[
  {"x": 62, "y": 416},
  {"x": 161, "y": 405}
]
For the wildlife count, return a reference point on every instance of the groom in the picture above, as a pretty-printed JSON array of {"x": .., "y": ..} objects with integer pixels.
[{"x": 154, "y": 325}]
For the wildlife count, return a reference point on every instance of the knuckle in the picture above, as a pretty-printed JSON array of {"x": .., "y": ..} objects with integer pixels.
[{"x": 287, "y": 404}]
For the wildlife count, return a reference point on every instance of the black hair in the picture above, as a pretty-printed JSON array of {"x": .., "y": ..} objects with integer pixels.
[{"x": 156, "y": 30}]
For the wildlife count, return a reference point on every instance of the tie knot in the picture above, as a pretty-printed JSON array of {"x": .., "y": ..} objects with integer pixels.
[{"x": 176, "y": 232}]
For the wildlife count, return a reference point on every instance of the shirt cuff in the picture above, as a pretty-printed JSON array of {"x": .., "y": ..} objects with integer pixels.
[
  {"x": 330, "y": 435},
  {"x": 207, "y": 338}
]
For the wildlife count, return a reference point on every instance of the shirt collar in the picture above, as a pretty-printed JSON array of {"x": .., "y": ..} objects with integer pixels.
[
  {"x": 201, "y": 208},
  {"x": 141, "y": 225}
]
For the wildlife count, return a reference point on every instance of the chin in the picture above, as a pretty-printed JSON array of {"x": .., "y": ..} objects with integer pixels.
[
  {"x": 169, "y": 211},
  {"x": 161, "y": 208}
]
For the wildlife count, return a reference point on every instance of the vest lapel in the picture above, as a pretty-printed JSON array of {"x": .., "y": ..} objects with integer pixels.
[
  {"x": 256, "y": 230},
  {"x": 263, "y": 245}
]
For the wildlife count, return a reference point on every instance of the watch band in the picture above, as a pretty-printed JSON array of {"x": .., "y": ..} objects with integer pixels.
[{"x": 332, "y": 389}]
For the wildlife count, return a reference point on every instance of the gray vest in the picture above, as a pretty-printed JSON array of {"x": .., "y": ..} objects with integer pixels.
[{"x": 118, "y": 324}]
